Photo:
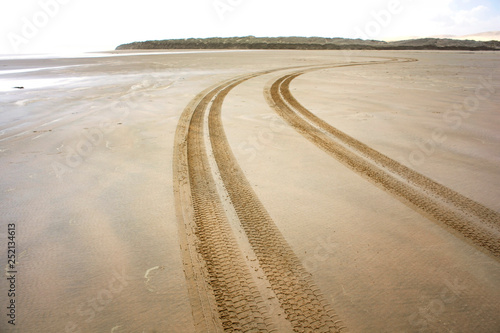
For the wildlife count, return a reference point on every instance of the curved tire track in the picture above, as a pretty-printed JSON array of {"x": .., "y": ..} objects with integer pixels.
[
  {"x": 222, "y": 293},
  {"x": 301, "y": 300},
  {"x": 475, "y": 222}
]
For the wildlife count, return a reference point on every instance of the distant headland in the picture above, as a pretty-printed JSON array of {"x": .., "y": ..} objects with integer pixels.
[{"x": 313, "y": 43}]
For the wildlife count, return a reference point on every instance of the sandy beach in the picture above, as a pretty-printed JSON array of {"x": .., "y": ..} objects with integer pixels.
[{"x": 308, "y": 191}]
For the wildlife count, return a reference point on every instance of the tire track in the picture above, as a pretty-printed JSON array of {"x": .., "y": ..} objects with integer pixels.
[
  {"x": 301, "y": 300},
  {"x": 222, "y": 292},
  {"x": 202, "y": 300},
  {"x": 466, "y": 205},
  {"x": 475, "y": 222}
]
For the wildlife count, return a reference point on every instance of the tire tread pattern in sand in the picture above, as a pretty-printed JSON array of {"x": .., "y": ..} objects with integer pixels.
[
  {"x": 239, "y": 306},
  {"x": 229, "y": 299},
  {"x": 427, "y": 196},
  {"x": 304, "y": 305}
]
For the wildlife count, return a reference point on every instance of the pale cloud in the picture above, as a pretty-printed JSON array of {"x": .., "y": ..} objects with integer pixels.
[
  {"x": 443, "y": 17},
  {"x": 467, "y": 17},
  {"x": 476, "y": 19},
  {"x": 96, "y": 24}
]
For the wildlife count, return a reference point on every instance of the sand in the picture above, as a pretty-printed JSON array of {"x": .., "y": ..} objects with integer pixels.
[{"x": 87, "y": 157}]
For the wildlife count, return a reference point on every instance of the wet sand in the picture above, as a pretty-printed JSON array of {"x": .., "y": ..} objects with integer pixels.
[{"x": 87, "y": 164}]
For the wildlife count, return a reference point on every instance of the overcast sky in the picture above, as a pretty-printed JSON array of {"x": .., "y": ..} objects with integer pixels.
[{"x": 32, "y": 26}]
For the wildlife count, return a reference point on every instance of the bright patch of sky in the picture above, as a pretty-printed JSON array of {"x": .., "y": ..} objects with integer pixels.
[{"x": 32, "y": 26}]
